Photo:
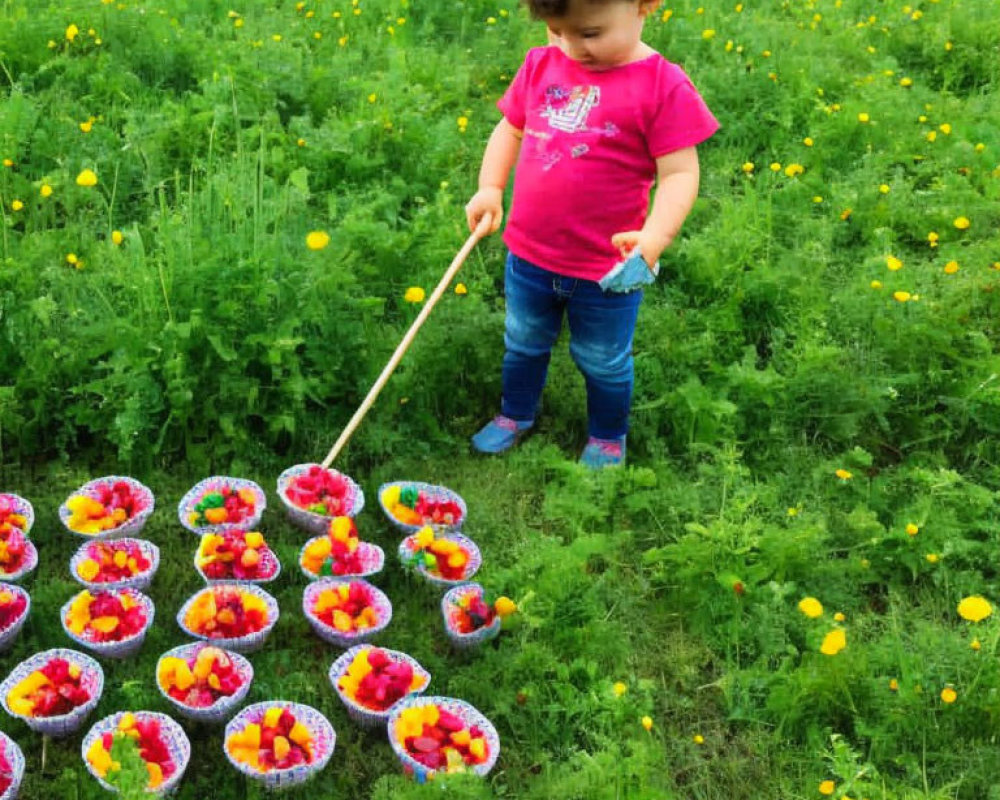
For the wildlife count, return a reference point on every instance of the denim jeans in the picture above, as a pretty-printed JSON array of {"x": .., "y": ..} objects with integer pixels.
[{"x": 601, "y": 327}]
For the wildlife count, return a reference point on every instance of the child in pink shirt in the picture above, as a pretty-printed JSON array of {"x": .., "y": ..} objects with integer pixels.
[{"x": 590, "y": 121}]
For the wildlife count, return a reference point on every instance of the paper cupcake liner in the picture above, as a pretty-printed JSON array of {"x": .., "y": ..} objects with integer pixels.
[
  {"x": 407, "y": 548},
  {"x": 217, "y": 483},
  {"x": 140, "y": 581},
  {"x": 22, "y": 506},
  {"x": 9, "y": 634},
  {"x": 381, "y": 604},
  {"x": 224, "y": 707},
  {"x": 433, "y": 492},
  {"x": 28, "y": 563},
  {"x": 309, "y": 520},
  {"x": 240, "y": 644},
  {"x": 63, "y": 725},
  {"x": 129, "y": 527},
  {"x": 122, "y": 648},
  {"x": 450, "y": 612},
  {"x": 170, "y": 731},
  {"x": 267, "y": 558},
  {"x": 15, "y": 758},
  {"x": 367, "y": 717},
  {"x": 324, "y": 740},
  {"x": 464, "y": 711},
  {"x": 372, "y": 561}
]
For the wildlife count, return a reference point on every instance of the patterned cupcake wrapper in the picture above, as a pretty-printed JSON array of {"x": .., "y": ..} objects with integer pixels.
[
  {"x": 367, "y": 717},
  {"x": 141, "y": 581},
  {"x": 119, "y": 649},
  {"x": 172, "y": 734},
  {"x": 380, "y": 602},
  {"x": 406, "y": 554},
  {"x": 92, "y": 680},
  {"x": 464, "y": 711},
  {"x": 28, "y": 563},
  {"x": 15, "y": 758},
  {"x": 309, "y": 520},
  {"x": 239, "y": 644},
  {"x": 449, "y": 611},
  {"x": 23, "y": 507},
  {"x": 9, "y": 634},
  {"x": 438, "y": 494},
  {"x": 127, "y": 529},
  {"x": 323, "y": 735},
  {"x": 372, "y": 561},
  {"x": 267, "y": 558},
  {"x": 217, "y": 483},
  {"x": 223, "y": 708}
]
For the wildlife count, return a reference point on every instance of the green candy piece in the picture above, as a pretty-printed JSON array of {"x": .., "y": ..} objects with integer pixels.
[
  {"x": 318, "y": 508},
  {"x": 211, "y": 500},
  {"x": 409, "y": 496},
  {"x": 430, "y": 561},
  {"x": 326, "y": 568}
]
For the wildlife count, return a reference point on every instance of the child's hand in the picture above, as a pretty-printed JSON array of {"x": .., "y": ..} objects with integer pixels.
[
  {"x": 488, "y": 200},
  {"x": 627, "y": 241}
]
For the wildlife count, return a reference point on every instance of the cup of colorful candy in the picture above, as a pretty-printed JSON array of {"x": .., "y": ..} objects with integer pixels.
[
  {"x": 115, "y": 564},
  {"x": 279, "y": 743},
  {"x": 410, "y": 505},
  {"x": 18, "y": 555},
  {"x": 339, "y": 552},
  {"x": 371, "y": 680},
  {"x": 157, "y": 739},
  {"x": 53, "y": 691},
  {"x": 445, "y": 559},
  {"x": 313, "y": 495},
  {"x": 107, "y": 508},
  {"x": 469, "y": 618},
  {"x": 236, "y": 555},
  {"x": 441, "y": 734},
  {"x": 109, "y": 622},
  {"x": 15, "y": 512},
  {"x": 236, "y": 616},
  {"x": 345, "y": 611},
  {"x": 206, "y": 683},
  {"x": 15, "y": 605},
  {"x": 11, "y": 767},
  {"x": 221, "y": 503}
]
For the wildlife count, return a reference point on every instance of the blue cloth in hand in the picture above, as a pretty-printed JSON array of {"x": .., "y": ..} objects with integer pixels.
[{"x": 628, "y": 275}]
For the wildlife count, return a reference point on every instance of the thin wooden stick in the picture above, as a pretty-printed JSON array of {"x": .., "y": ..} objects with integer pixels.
[{"x": 484, "y": 225}]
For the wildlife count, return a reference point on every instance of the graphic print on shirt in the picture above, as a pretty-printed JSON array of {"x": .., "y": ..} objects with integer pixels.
[{"x": 566, "y": 111}]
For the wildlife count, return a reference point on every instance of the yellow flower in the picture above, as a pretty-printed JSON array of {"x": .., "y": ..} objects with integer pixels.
[
  {"x": 300, "y": 142},
  {"x": 698, "y": 739},
  {"x": 839, "y": 617},
  {"x": 71, "y": 258},
  {"x": 463, "y": 123},
  {"x": 117, "y": 237},
  {"x": 16, "y": 205},
  {"x": 827, "y": 787},
  {"x": 619, "y": 689},
  {"x": 864, "y": 117},
  {"x": 86, "y": 126},
  {"x": 747, "y": 167},
  {"x": 932, "y": 558},
  {"x": 414, "y": 295},
  {"x": 833, "y": 642},
  {"x": 893, "y": 685},
  {"x": 932, "y": 239},
  {"x": 876, "y": 284},
  {"x": 844, "y": 474},
  {"x": 893, "y": 263},
  {"x": 951, "y": 268},
  {"x": 86, "y": 178},
  {"x": 906, "y": 83},
  {"x": 883, "y": 188},
  {"x": 962, "y": 223},
  {"x": 647, "y": 723},
  {"x": 945, "y": 128},
  {"x": 72, "y": 32},
  {"x": 317, "y": 240},
  {"x": 460, "y": 289},
  {"x": 931, "y": 136},
  {"x": 7, "y": 162},
  {"x": 901, "y": 297},
  {"x": 504, "y": 606},
  {"x": 948, "y": 695},
  {"x": 974, "y": 608},
  {"x": 372, "y": 97},
  {"x": 707, "y": 34},
  {"x": 846, "y": 214},
  {"x": 975, "y": 645},
  {"x": 808, "y": 142},
  {"x": 775, "y": 166},
  {"x": 811, "y": 607},
  {"x": 794, "y": 169},
  {"x": 912, "y": 529},
  {"x": 45, "y": 191}
]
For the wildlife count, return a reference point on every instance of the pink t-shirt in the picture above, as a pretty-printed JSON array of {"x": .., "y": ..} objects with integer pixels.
[{"x": 588, "y": 153}]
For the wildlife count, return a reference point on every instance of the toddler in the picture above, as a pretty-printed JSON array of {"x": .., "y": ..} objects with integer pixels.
[{"x": 590, "y": 121}]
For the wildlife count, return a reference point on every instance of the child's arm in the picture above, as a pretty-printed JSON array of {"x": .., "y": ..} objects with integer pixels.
[
  {"x": 677, "y": 177},
  {"x": 498, "y": 160}
]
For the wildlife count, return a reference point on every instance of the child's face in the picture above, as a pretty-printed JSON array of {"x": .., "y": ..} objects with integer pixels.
[{"x": 600, "y": 35}]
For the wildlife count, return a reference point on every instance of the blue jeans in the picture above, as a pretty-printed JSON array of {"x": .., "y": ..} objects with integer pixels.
[{"x": 601, "y": 327}]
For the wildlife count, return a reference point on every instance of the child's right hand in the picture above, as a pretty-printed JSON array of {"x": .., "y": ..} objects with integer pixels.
[{"x": 488, "y": 200}]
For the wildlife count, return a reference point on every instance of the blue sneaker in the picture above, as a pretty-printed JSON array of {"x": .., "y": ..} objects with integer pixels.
[
  {"x": 600, "y": 453},
  {"x": 500, "y": 434}
]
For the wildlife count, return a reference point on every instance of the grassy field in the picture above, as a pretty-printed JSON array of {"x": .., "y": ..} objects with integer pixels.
[{"x": 817, "y": 409}]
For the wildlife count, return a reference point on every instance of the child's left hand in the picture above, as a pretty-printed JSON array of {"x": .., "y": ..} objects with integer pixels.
[{"x": 628, "y": 241}]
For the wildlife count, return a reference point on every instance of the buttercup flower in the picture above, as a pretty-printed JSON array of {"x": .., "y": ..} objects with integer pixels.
[
  {"x": 414, "y": 295},
  {"x": 912, "y": 529},
  {"x": 317, "y": 240},
  {"x": 844, "y": 474},
  {"x": 951, "y": 268},
  {"x": 893, "y": 263},
  {"x": 839, "y": 616},
  {"x": 901, "y": 297},
  {"x": 698, "y": 739},
  {"x": 893, "y": 685},
  {"x": 811, "y": 607},
  {"x": 974, "y": 608},
  {"x": 827, "y": 787},
  {"x": 72, "y": 32},
  {"x": 962, "y": 223},
  {"x": 460, "y": 289},
  {"x": 117, "y": 237},
  {"x": 86, "y": 178},
  {"x": 833, "y": 642},
  {"x": 45, "y": 191},
  {"x": 647, "y": 723},
  {"x": 948, "y": 695},
  {"x": 619, "y": 689}
]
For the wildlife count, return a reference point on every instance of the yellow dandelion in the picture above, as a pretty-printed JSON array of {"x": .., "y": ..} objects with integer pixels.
[
  {"x": 811, "y": 607},
  {"x": 846, "y": 214},
  {"x": 901, "y": 296},
  {"x": 87, "y": 125},
  {"x": 45, "y": 190},
  {"x": 844, "y": 474},
  {"x": 747, "y": 167},
  {"x": 932, "y": 239},
  {"x": 911, "y": 529},
  {"x": 962, "y": 223},
  {"x": 975, "y": 608},
  {"x": 893, "y": 263},
  {"x": 827, "y": 787},
  {"x": 931, "y": 136},
  {"x": 647, "y": 723},
  {"x": 833, "y": 642},
  {"x": 372, "y": 97},
  {"x": 16, "y": 205},
  {"x": 893, "y": 685},
  {"x": 945, "y": 128},
  {"x": 491, "y": 20},
  {"x": 876, "y": 284},
  {"x": 839, "y": 616},
  {"x": 775, "y": 166},
  {"x": 72, "y": 32},
  {"x": 883, "y": 188},
  {"x": 698, "y": 739},
  {"x": 864, "y": 117},
  {"x": 619, "y": 689},
  {"x": 86, "y": 178},
  {"x": 342, "y": 41},
  {"x": 975, "y": 645},
  {"x": 463, "y": 123},
  {"x": 414, "y": 294},
  {"x": 808, "y": 141},
  {"x": 979, "y": 147},
  {"x": 932, "y": 558},
  {"x": 906, "y": 83},
  {"x": 666, "y": 15},
  {"x": 708, "y": 33},
  {"x": 317, "y": 240},
  {"x": 460, "y": 289},
  {"x": 794, "y": 169},
  {"x": 300, "y": 142},
  {"x": 117, "y": 238},
  {"x": 275, "y": 37},
  {"x": 71, "y": 258},
  {"x": 951, "y": 268},
  {"x": 948, "y": 695}
]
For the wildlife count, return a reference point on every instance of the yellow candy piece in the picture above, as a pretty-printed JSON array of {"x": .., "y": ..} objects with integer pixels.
[
  {"x": 281, "y": 747},
  {"x": 120, "y": 559},
  {"x": 459, "y": 559},
  {"x": 20, "y": 705},
  {"x": 155, "y": 774},
  {"x": 342, "y": 621},
  {"x": 247, "y": 496},
  {"x": 301, "y": 736},
  {"x": 99, "y": 758},
  {"x": 425, "y": 536},
  {"x": 390, "y": 496},
  {"x": 477, "y": 748},
  {"x": 104, "y": 624},
  {"x": 254, "y": 539},
  {"x": 271, "y": 716},
  {"x": 88, "y": 569},
  {"x": 127, "y": 721}
]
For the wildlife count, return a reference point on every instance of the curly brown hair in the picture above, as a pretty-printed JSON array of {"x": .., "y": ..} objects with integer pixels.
[{"x": 548, "y": 9}]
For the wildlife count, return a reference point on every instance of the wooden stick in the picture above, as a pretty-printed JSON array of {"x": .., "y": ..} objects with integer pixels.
[{"x": 484, "y": 225}]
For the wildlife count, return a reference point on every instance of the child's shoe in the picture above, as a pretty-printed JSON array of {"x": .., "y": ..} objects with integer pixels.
[
  {"x": 500, "y": 434},
  {"x": 601, "y": 453}
]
